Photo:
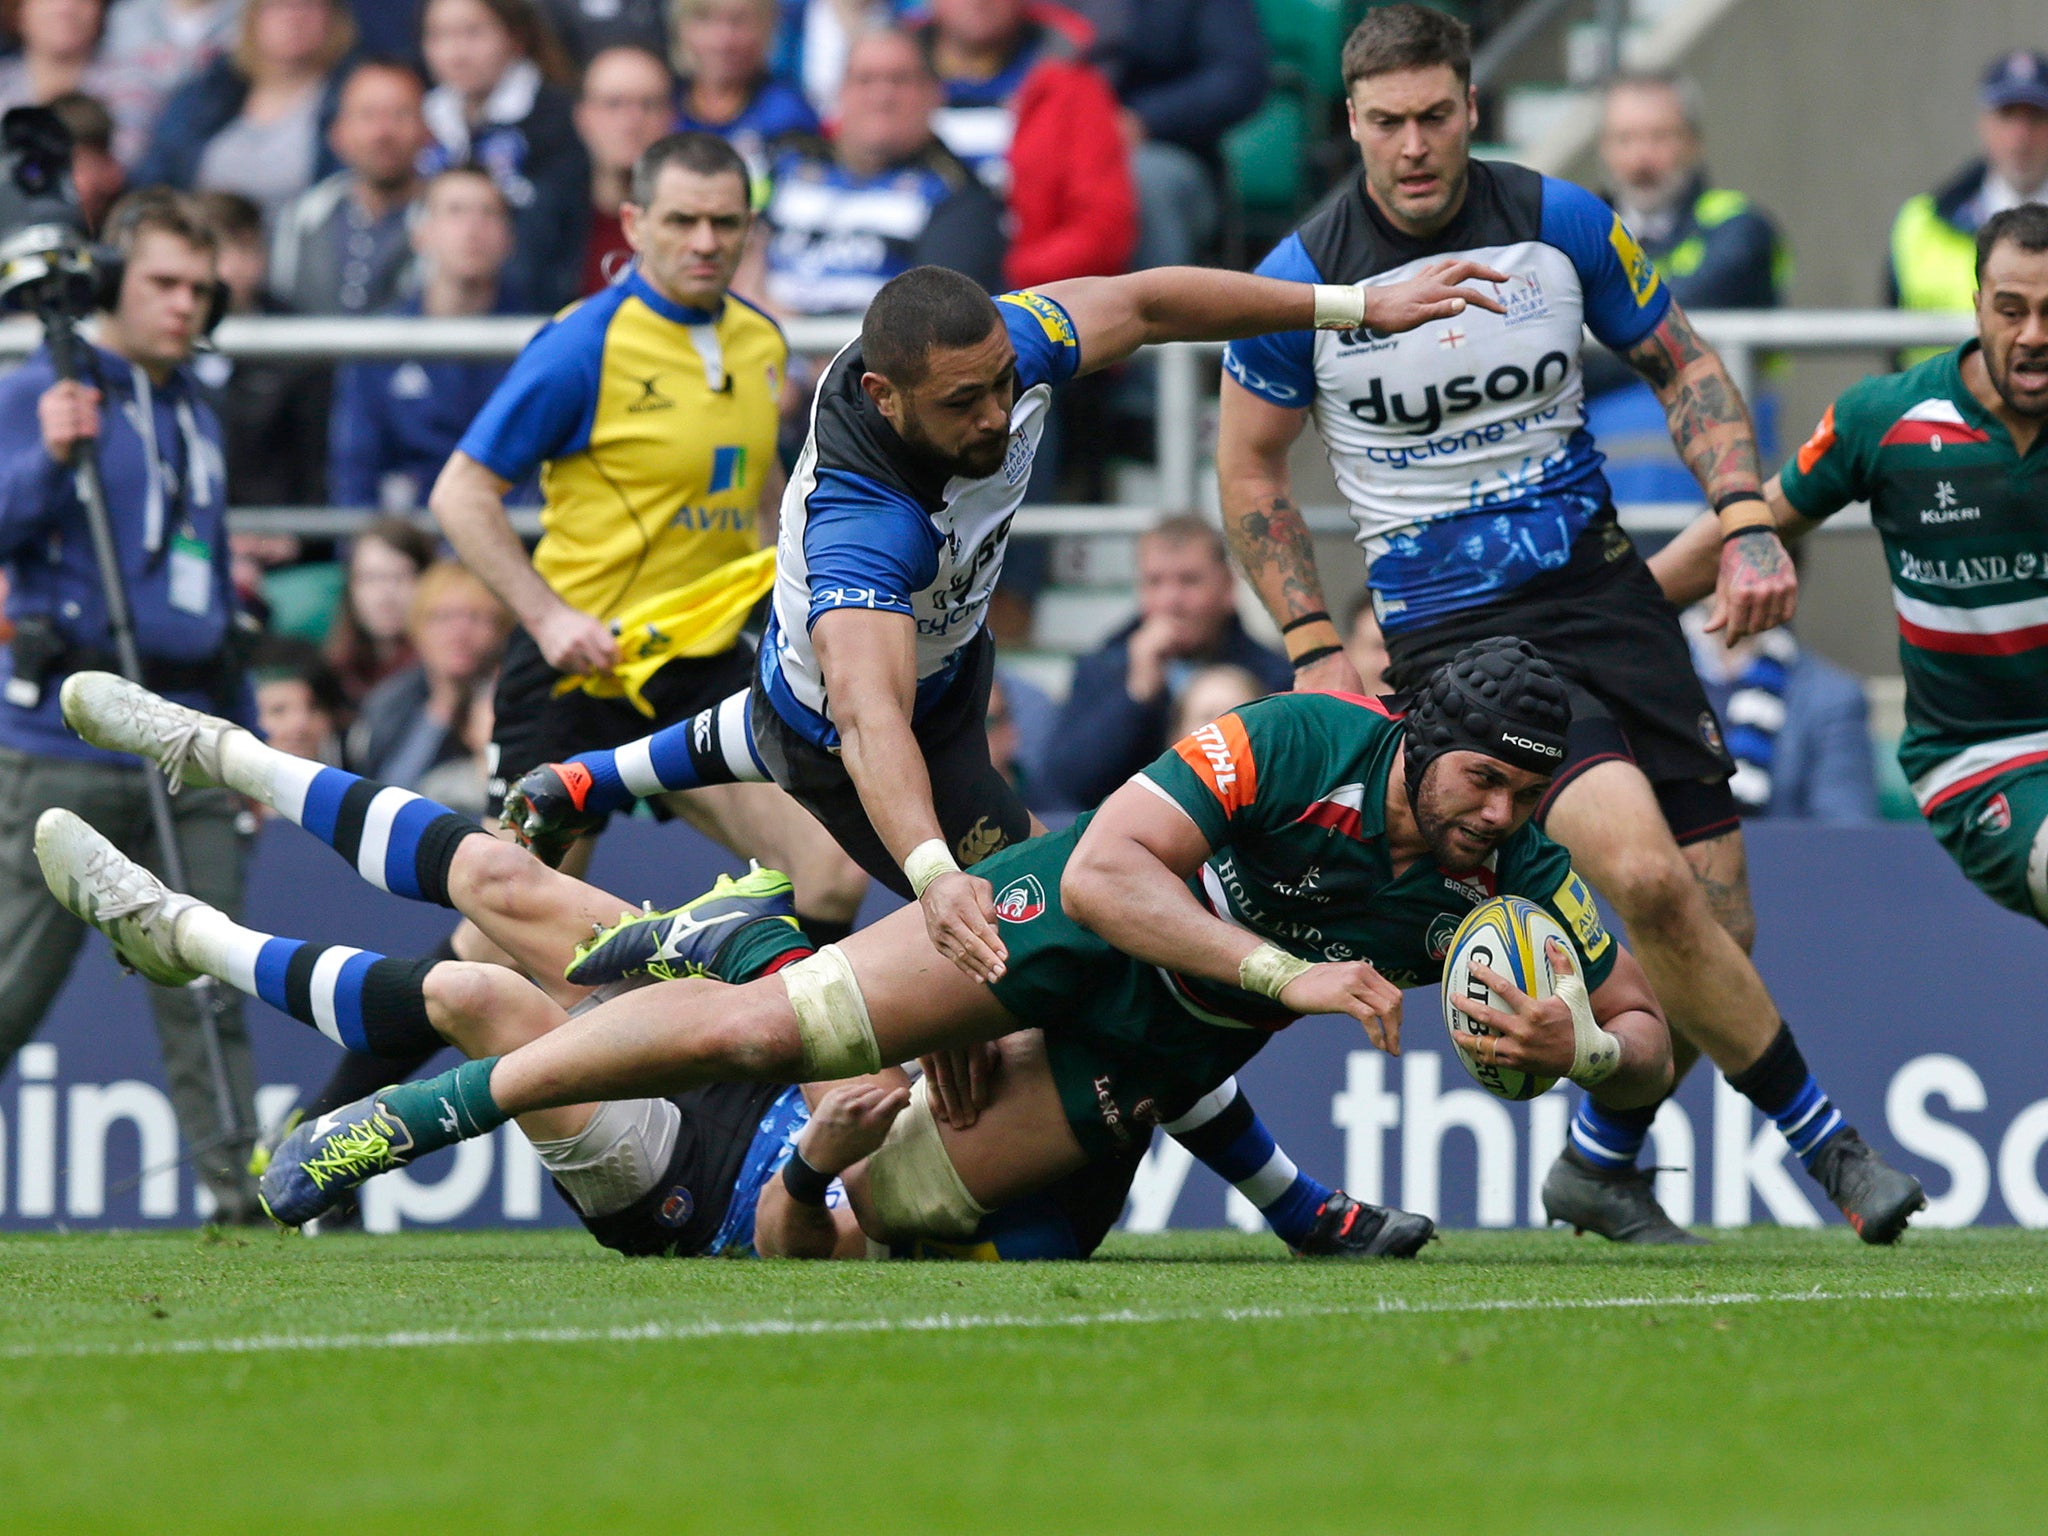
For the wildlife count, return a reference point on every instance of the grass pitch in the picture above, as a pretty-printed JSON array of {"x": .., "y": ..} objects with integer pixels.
[{"x": 1777, "y": 1382}]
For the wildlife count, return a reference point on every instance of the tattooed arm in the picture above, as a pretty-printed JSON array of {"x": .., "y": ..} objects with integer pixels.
[
  {"x": 1268, "y": 535},
  {"x": 1757, "y": 588}
]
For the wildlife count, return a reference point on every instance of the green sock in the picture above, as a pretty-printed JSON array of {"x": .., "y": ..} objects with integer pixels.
[
  {"x": 440, "y": 1111},
  {"x": 765, "y": 944}
]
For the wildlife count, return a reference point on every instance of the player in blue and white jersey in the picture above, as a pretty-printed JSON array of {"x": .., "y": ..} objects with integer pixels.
[
  {"x": 1478, "y": 495},
  {"x": 870, "y": 701}
]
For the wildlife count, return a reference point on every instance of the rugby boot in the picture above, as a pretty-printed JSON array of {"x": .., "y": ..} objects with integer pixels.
[
  {"x": 685, "y": 940},
  {"x": 1877, "y": 1198},
  {"x": 1618, "y": 1203},
  {"x": 545, "y": 810},
  {"x": 94, "y": 880},
  {"x": 111, "y": 712},
  {"x": 314, "y": 1169},
  {"x": 1350, "y": 1229}
]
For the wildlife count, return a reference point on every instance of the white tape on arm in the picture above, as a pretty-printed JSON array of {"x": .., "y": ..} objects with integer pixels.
[
  {"x": 1267, "y": 969},
  {"x": 928, "y": 860},
  {"x": 1595, "y": 1053},
  {"x": 1339, "y": 306}
]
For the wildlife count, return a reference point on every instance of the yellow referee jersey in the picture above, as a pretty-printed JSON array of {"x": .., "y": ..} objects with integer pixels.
[{"x": 653, "y": 426}]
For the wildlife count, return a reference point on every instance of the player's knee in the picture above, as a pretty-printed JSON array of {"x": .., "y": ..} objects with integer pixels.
[
  {"x": 462, "y": 998},
  {"x": 750, "y": 1034},
  {"x": 1656, "y": 894},
  {"x": 500, "y": 878}
]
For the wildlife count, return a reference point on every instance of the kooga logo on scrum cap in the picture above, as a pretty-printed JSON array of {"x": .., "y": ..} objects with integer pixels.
[{"x": 1540, "y": 748}]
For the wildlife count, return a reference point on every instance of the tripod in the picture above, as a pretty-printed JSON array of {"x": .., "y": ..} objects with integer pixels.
[{"x": 48, "y": 302}]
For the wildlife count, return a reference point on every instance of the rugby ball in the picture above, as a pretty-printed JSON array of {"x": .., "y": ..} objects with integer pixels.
[{"x": 1510, "y": 937}]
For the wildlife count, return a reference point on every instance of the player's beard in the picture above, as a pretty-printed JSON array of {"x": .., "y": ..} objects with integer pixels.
[
  {"x": 977, "y": 463},
  {"x": 1999, "y": 368},
  {"x": 1453, "y": 853}
]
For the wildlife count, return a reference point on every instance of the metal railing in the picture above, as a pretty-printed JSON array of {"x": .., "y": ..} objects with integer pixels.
[{"x": 1184, "y": 371}]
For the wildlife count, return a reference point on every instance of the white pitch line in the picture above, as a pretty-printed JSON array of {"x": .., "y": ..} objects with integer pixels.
[{"x": 945, "y": 1322}]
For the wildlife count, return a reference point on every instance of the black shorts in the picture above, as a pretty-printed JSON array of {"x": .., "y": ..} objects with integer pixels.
[
  {"x": 979, "y": 811},
  {"x": 1614, "y": 638},
  {"x": 680, "y": 1216},
  {"x": 536, "y": 726}
]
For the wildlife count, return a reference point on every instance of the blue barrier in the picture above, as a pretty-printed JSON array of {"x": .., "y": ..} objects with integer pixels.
[{"x": 1917, "y": 1001}]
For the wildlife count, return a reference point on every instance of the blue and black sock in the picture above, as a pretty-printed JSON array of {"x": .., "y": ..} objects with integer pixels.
[
  {"x": 1227, "y": 1135},
  {"x": 1781, "y": 1085},
  {"x": 398, "y": 841},
  {"x": 1610, "y": 1138}
]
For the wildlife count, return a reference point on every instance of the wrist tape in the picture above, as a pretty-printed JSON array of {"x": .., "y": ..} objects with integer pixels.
[
  {"x": 1267, "y": 969},
  {"x": 928, "y": 860},
  {"x": 1339, "y": 307},
  {"x": 1595, "y": 1053}
]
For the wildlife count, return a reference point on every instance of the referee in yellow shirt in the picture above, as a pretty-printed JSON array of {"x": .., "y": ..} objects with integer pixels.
[{"x": 650, "y": 411}]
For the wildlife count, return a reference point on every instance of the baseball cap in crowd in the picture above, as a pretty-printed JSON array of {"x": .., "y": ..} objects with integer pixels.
[{"x": 2016, "y": 79}]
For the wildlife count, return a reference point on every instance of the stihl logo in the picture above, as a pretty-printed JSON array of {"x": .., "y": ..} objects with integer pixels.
[{"x": 1222, "y": 766}]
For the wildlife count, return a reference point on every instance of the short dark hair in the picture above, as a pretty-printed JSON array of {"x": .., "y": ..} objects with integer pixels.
[
  {"x": 231, "y": 216},
  {"x": 2025, "y": 226},
  {"x": 703, "y": 154},
  {"x": 90, "y": 124},
  {"x": 918, "y": 310},
  {"x": 1397, "y": 37},
  {"x": 381, "y": 63}
]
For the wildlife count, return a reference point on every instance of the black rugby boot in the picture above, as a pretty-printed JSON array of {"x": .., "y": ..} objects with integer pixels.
[{"x": 1618, "y": 1203}]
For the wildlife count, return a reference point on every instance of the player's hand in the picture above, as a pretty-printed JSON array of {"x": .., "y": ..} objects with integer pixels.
[
  {"x": 575, "y": 643},
  {"x": 1333, "y": 674},
  {"x": 1758, "y": 589},
  {"x": 960, "y": 916},
  {"x": 962, "y": 1081},
  {"x": 1431, "y": 294},
  {"x": 544, "y": 811},
  {"x": 1353, "y": 987},
  {"x": 66, "y": 412},
  {"x": 1534, "y": 1037},
  {"x": 851, "y": 1121}
]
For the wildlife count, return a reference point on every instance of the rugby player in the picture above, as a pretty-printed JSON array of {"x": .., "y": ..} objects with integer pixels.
[
  {"x": 870, "y": 701},
  {"x": 649, "y": 411},
  {"x": 1157, "y": 944},
  {"x": 677, "y": 1175},
  {"x": 1945, "y": 454},
  {"x": 1481, "y": 507}
]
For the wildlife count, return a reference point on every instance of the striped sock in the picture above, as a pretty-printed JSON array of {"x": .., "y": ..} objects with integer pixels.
[
  {"x": 1610, "y": 1138},
  {"x": 1781, "y": 1085},
  {"x": 358, "y": 999},
  {"x": 1227, "y": 1135},
  {"x": 398, "y": 841},
  {"x": 713, "y": 746}
]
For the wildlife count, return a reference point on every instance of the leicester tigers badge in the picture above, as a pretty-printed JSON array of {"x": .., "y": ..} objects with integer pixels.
[
  {"x": 1021, "y": 900},
  {"x": 1996, "y": 815}
]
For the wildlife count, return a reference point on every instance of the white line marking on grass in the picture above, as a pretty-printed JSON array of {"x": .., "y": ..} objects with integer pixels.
[{"x": 946, "y": 1322}]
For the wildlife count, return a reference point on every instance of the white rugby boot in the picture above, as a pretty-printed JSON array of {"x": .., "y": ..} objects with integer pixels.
[
  {"x": 191, "y": 747},
  {"x": 96, "y": 881}
]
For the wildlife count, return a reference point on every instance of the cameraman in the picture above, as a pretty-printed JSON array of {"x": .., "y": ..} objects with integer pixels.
[{"x": 160, "y": 456}]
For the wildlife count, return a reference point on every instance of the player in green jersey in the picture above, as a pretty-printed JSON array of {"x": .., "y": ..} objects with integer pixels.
[
  {"x": 1952, "y": 457},
  {"x": 1308, "y": 854}
]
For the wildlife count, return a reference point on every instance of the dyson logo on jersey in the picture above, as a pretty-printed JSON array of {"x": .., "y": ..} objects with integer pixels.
[{"x": 1466, "y": 392}]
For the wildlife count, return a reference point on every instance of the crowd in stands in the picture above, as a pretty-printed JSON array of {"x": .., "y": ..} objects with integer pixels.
[{"x": 470, "y": 157}]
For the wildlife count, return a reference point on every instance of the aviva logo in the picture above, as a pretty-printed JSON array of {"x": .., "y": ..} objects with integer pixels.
[{"x": 728, "y": 468}]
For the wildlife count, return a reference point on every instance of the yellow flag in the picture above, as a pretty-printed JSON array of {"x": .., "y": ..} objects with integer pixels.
[{"x": 700, "y": 619}]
